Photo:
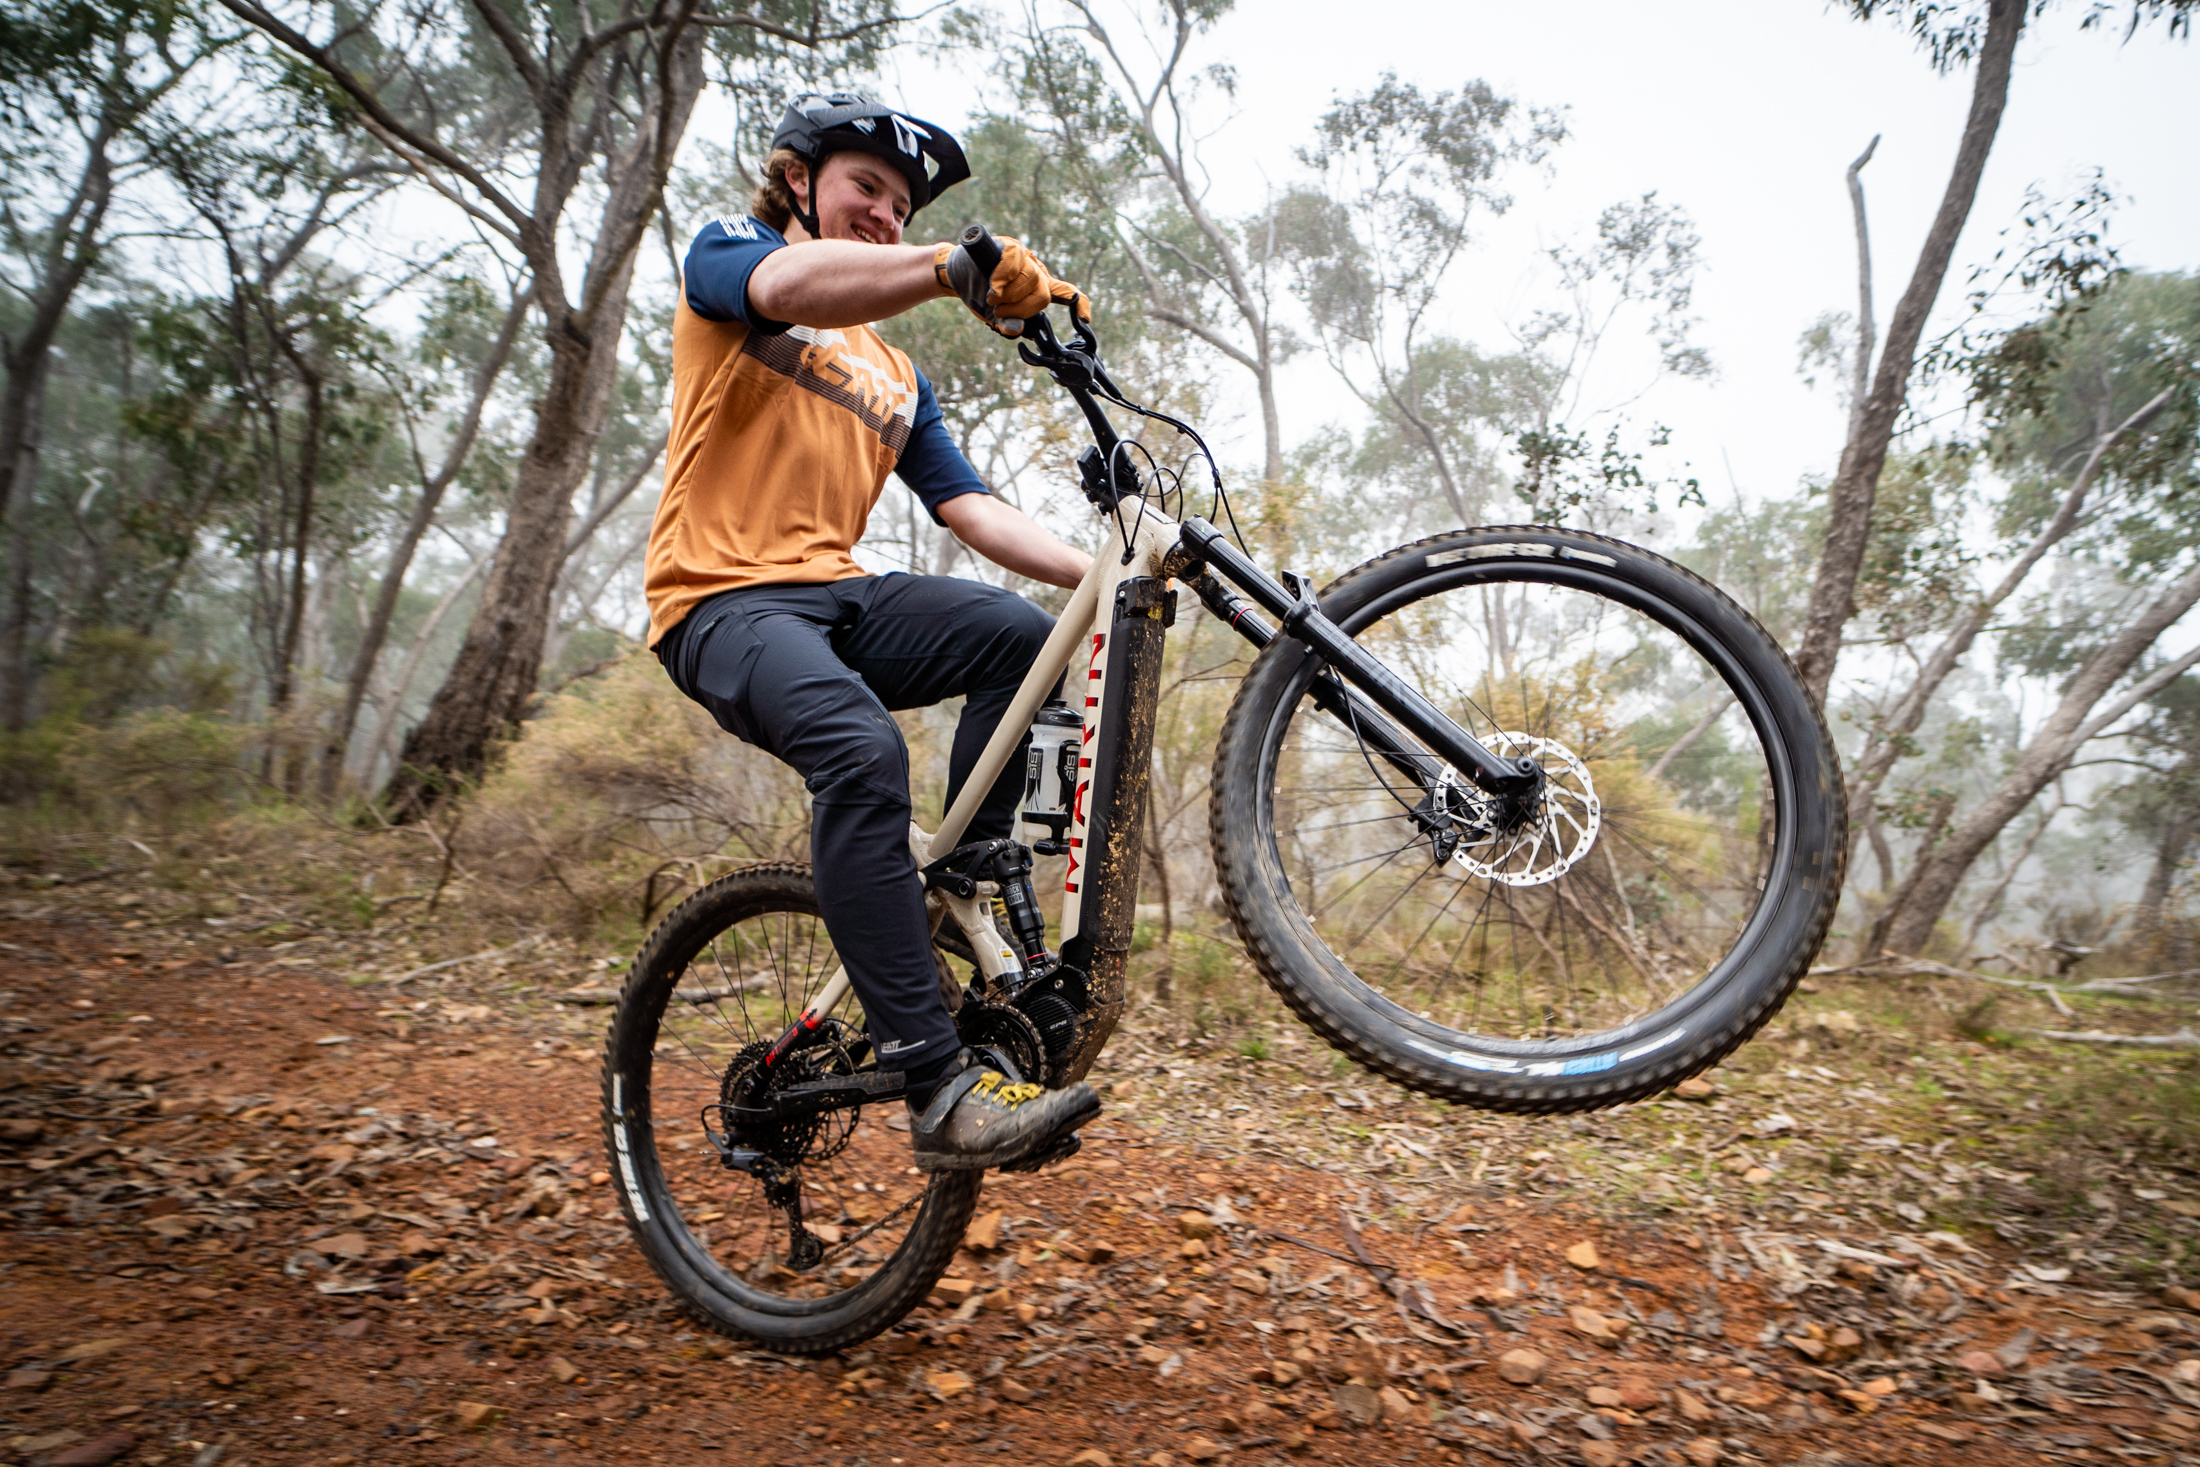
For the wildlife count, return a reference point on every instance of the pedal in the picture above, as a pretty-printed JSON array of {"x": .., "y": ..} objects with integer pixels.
[{"x": 1061, "y": 1150}]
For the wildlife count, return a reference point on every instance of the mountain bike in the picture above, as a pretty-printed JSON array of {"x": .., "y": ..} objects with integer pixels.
[{"x": 1520, "y": 817}]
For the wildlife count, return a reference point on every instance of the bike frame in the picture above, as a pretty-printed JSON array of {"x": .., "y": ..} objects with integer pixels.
[{"x": 1113, "y": 629}]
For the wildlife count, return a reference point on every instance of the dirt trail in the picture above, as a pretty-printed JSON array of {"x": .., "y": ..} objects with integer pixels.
[{"x": 259, "y": 1211}]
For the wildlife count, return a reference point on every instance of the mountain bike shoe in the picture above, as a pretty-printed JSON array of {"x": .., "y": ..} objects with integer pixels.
[{"x": 985, "y": 1117}]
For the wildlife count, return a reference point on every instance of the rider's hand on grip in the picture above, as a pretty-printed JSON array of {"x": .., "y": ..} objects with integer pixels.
[{"x": 1015, "y": 290}]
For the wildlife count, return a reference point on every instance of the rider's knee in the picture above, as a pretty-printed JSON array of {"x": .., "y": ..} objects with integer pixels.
[
  {"x": 870, "y": 767},
  {"x": 1024, "y": 627}
]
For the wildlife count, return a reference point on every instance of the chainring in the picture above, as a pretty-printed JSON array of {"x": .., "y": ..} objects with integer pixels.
[{"x": 998, "y": 1026}]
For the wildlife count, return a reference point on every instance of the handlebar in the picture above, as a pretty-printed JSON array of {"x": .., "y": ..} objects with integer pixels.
[
  {"x": 1074, "y": 363},
  {"x": 984, "y": 251}
]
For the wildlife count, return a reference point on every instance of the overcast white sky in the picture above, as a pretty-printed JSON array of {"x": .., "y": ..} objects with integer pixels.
[{"x": 1743, "y": 112}]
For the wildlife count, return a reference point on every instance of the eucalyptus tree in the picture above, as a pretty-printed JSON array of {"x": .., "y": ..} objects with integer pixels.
[
  {"x": 1403, "y": 175},
  {"x": 551, "y": 130},
  {"x": 1983, "y": 36},
  {"x": 2095, "y": 422},
  {"x": 2161, "y": 808},
  {"x": 1121, "y": 90},
  {"x": 88, "y": 99},
  {"x": 84, "y": 93}
]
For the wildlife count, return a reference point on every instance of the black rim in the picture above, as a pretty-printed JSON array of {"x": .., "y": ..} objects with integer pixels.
[{"x": 859, "y": 1199}]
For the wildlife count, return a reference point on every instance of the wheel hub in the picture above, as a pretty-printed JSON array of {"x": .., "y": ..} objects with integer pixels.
[{"x": 1518, "y": 843}]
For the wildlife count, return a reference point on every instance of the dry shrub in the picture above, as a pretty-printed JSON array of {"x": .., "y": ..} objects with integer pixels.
[
  {"x": 622, "y": 796},
  {"x": 151, "y": 772}
]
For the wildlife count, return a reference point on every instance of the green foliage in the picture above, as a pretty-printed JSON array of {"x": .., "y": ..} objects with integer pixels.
[
  {"x": 1917, "y": 569},
  {"x": 155, "y": 770},
  {"x": 1561, "y": 472},
  {"x": 1764, "y": 555},
  {"x": 1952, "y": 32},
  {"x": 2053, "y": 385}
]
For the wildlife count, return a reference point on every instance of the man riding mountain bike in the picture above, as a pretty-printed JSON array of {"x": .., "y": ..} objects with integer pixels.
[{"x": 788, "y": 413}]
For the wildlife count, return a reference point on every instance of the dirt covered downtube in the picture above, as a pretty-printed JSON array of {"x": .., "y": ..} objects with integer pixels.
[
  {"x": 1107, "y": 858},
  {"x": 1644, "y": 915}
]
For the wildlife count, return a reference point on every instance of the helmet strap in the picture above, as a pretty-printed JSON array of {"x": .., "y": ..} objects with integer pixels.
[{"x": 807, "y": 216}]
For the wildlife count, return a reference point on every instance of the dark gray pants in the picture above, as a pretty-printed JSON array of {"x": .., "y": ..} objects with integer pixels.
[{"x": 809, "y": 674}]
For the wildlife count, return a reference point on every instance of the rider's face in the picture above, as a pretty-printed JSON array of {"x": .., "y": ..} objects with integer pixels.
[{"x": 860, "y": 197}]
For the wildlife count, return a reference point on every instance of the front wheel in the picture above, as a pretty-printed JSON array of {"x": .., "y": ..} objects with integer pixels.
[{"x": 1634, "y": 925}]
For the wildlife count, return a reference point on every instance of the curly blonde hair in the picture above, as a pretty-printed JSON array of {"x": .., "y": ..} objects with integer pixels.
[{"x": 773, "y": 201}]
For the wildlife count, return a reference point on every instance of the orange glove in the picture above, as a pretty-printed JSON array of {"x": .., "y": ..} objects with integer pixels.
[{"x": 1018, "y": 289}]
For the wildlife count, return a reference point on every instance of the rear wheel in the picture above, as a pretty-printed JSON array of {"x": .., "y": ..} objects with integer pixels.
[
  {"x": 844, "y": 1238},
  {"x": 1649, "y": 912}
]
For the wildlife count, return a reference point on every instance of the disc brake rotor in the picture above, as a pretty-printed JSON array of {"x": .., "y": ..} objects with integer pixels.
[{"x": 1525, "y": 852}]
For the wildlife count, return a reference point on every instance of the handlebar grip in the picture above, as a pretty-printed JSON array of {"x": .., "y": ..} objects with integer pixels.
[{"x": 983, "y": 249}]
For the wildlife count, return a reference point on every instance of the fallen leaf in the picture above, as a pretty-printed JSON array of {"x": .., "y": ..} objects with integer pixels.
[
  {"x": 1361, "y": 1406},
  {"x": 476, "y": 1415},
  {"x": 97, "y": 1452},
  {"x": 1583, "y": 1255}
]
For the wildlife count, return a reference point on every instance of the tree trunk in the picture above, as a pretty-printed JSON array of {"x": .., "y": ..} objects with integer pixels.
[
  {"x": 71, "y": 249},
  {"x": 17, "y": 651},
  {"x": 1910, "y": 920},
  {"x": 376, "y": 631},
  {"x": 1992, "y": 902},
  {"x": 1860, "y": 387},
  {"x": 488, "y": 688},
  {"x": 2169, "y": 855},
  {"x": 1833, "y": 594},
  {"x": 393, "y": 702},
  {"x": 301, "y": 534},
  {"x": 1887, "y": 738},
  {"x": 1943, "y": 810}
]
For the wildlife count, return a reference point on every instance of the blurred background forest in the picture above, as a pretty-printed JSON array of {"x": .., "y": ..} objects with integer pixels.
[{"x": 336, "y": 374}]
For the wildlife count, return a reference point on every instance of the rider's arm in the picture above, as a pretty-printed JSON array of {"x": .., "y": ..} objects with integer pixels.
[
  {"x": 1009, "y": 538},
  {"x": 741, "y": 269},
  {"x": 842, "y": 282},
  {"x": 932, "y": 466}
]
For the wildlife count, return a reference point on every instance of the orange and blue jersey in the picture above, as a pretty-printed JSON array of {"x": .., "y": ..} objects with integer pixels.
[{"x": 782, "y": 438}]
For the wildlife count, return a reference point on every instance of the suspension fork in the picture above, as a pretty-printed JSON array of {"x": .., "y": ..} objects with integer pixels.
[{"x": 1375, "y": 690}]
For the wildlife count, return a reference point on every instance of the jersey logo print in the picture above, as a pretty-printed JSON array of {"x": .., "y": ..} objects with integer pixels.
[
  {"x": 740, "y": 228},
  {"x": 822, "y": 361}
]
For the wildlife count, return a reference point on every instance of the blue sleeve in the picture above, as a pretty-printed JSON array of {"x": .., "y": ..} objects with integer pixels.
[
  {"x": 931, "y": 464},
  {"x": 718, "y": 267}
]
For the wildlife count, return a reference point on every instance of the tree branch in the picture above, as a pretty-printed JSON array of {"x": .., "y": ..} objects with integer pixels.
[{"x": 376, "y": 113}]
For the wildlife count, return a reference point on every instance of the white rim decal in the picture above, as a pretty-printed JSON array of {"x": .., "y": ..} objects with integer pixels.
[{"x": 626, "y": 1152}]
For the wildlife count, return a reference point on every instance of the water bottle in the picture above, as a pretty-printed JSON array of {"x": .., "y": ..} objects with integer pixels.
[{"x": 1050, "y": 774}]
